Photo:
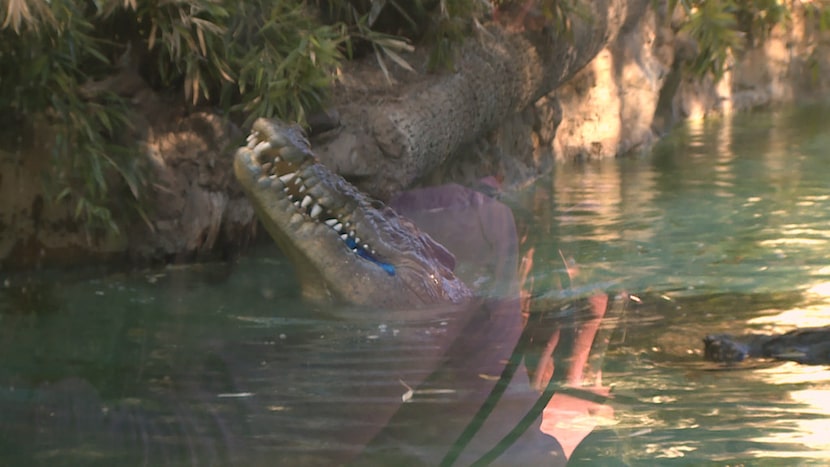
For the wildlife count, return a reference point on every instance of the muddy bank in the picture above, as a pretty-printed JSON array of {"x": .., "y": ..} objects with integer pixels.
[{"x": 519, "y": 100}]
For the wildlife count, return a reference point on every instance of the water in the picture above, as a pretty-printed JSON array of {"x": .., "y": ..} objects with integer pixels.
[{"x": 722, "y": 228}]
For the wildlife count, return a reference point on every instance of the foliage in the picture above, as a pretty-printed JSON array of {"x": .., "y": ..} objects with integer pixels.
[
  {"x": 46, "y": 52},
  {"x": 453, "y": 20},
  {"x": 253, "y": 58},
  {"x": 281, "y": 59},
  {"x": 448, "y": 27},
  {"x": 386, "y": 27},
  {"x": 756, "y": 18},
  {"x": 724, "y": 27},
  {"x": 263, "y": 58},
  {"x": 389, "y": 26},
  {"x": 714, "y": 27},
  {"x": 819, "y": 12}
]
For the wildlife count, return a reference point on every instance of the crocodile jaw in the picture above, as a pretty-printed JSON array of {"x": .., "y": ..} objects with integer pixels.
[{"x": 344, "y": 245}]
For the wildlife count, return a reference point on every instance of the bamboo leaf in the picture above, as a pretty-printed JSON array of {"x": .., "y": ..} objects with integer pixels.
[
  {"x": 201, "y": 36},
  {"x": 399, "y": 60}
]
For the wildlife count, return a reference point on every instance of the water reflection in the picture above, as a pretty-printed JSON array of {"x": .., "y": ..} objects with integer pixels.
[
  {"x": 735, "y": 240},
  {"x": 724, "y": 228},
  {"x": 213, "y": 364}
]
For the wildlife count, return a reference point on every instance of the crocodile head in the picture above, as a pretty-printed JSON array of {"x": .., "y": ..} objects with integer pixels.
[{"x": 344, "y": 245}]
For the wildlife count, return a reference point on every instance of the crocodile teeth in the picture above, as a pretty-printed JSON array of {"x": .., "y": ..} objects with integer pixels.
[
  {"x": 262, "y": 146},
  {"x": 338, "y": 227},
  {"x": 330, "y": 222},
  {"x": 287, "y": 177},
  {"x": 252, "y": 139},
  {"x": 344, "y": 237},
  {"x": 306, "y": 202},
  {"x": 316, "y": 210}
]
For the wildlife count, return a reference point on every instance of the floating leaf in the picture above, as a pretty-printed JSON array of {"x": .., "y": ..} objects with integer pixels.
[{"x": 406, "y": 396}]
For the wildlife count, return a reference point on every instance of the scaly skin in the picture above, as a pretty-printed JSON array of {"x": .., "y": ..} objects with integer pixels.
[
  {"x": 808, "y": 345},
  {"x": 344, "y": 245}
]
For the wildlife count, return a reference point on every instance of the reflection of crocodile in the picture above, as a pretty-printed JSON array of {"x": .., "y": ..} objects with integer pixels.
[
  {"x": 808, "y": 345},
  {"x": 344, "y": 245}
]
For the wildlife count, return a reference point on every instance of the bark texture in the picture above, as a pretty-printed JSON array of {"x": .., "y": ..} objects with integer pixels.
[{"x": 386, "y": 147}]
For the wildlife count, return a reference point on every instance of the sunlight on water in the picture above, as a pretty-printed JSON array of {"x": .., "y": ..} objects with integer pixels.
[
  {"x": 815, "y": 315},
  {"x": 732, "y": 226},
  {"x": 810, "y": 430},
  {"x": 724, "y": 228}
]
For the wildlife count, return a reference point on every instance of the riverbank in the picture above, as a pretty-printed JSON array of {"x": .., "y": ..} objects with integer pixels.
[{"x": 611, "y": 91}]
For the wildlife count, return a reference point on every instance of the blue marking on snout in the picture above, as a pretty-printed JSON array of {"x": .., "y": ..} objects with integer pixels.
[{"x": 350, "y": 242}]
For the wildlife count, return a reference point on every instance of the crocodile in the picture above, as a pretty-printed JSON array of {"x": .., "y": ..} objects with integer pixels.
[
  {"x": 806, "y": 345},
  {"x": 345, "y": 246}
]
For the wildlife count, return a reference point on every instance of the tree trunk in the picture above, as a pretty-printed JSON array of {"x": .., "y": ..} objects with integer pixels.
[{"x": 384, "y": 148}]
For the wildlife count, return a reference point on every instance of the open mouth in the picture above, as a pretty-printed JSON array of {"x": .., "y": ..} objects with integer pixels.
[{"x": 286, "y": 167}]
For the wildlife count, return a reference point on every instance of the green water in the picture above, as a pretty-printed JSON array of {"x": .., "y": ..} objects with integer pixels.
[{"x": 722, "y": 228}]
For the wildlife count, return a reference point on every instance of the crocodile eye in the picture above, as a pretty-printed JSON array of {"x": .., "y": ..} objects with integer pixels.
[{"x": 377, "y": 204}]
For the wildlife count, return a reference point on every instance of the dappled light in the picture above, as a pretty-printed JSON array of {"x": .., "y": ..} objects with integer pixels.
[
  {"x": 805, "y": 437},
  {"x": 731, "y": 236}
]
